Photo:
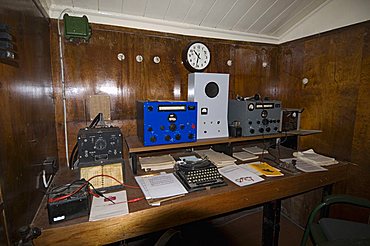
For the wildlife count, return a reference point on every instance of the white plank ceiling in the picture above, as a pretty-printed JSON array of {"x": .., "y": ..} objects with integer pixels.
[{"x": 265, "y": 19}]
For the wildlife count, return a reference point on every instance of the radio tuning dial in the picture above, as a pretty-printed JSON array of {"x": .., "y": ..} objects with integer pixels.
[{"x": 100, "y": 144}]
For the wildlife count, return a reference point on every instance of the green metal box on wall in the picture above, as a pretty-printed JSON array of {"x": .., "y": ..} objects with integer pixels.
[{"x": 76, "y": 28}]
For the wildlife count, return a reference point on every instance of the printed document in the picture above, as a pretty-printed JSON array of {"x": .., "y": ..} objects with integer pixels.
[
  {"x": 239, "y": 175},
  {"x": 102, "y": 208},
  {"x": 160, "y": 186}
]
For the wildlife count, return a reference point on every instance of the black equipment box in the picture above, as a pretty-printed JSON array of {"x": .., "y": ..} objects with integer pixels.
[
  {"x": 290, "y": 119},
  {"x": 97, "y": 146},
  {"x": 77, "y": 205},
  {"x": 256, "y": 117}
]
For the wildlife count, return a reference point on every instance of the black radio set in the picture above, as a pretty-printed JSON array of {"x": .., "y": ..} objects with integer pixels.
[
  {"x": 98, "y": 146},
  {"x": 255, "y": 117}
]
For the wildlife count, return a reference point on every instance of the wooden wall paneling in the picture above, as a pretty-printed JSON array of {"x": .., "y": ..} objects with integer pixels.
[
  {"x": 336, "y": 64},
  {"x": 290, "y": 70},
  {"x": 359, "y": 185},
  {"x": 28, "y": 125},
  {"x": 161, "y": 80},
  {"x": 332, "y": 65},
  {"x": 250, "y": 76}
]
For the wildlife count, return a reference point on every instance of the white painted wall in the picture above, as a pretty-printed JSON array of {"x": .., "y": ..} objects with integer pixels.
[{"x": 335, "y": 14}]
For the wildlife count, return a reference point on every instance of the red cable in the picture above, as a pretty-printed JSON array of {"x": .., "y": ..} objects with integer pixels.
[
  {"x": 105, "y": 175},
  {"x": 83, "y": 185}
]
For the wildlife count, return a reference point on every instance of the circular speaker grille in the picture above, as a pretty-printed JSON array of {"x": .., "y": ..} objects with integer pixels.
[{"x": 212, "y": 89}]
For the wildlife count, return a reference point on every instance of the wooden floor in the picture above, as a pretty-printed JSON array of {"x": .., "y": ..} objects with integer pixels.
[{"x": 238, "y": 229}]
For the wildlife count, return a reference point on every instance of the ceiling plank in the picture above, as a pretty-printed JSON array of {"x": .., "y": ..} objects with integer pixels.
[
  {"x": 298, "y": 17},
  {"x": 285, "y": 15},
  {"x": 235, "y": 14},
  {"x": 178, "y": 10},
  {"x": 157, "y": 8},
  {"x": 198, "y": 11},
  {"x": 253, "y": 13},
  {"x": 269, "y": 15},
  {"x": 218, "y": 11}
]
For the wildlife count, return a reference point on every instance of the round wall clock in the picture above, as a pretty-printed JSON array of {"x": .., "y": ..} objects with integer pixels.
[{"x": 196, "y": 56}]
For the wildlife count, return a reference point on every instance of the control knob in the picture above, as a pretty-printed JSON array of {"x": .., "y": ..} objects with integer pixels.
[
  {"x": 167, "y": 138},
  {"x": 153, "y": 139},
  {"x": 172, "y": 127}
]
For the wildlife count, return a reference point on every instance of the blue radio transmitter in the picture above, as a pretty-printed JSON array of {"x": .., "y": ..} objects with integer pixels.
[{"x": 166, "y": 122}]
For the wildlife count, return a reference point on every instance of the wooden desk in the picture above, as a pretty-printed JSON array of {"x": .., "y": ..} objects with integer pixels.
[{"x": 144, "y": 219}]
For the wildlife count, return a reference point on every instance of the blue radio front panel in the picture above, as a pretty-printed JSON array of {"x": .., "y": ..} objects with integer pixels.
[{"x": 166, "y": 122}]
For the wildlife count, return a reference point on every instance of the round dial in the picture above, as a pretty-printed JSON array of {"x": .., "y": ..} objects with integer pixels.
[
  {"x": 100, "y": 144},
  {"x": 196, "y": 57}
]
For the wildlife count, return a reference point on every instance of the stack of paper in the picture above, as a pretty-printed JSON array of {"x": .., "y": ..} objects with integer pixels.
[
  {"x": 102, "y": 208},
  {"x": 239, "y": 176},
  {"x": 266, "y": 170},
  {"x": 219, "y": 159},
  {"x": 307, "y": 167},
  {"x": 155, "y": 163},
  {"x": 314, "y": 158},
  {"x": 160, "y": 186},
  {"x": 255, "y": 150},
  {"x": 244, "y": 156}
]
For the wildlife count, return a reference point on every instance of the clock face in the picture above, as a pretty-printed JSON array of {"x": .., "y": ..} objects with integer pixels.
[{"x": 197, "y": 57}]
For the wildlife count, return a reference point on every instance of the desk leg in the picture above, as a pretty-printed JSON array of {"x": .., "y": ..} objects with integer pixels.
[
  {"x": 271, "y": 223},
  {"x": 134, "y": 163}
]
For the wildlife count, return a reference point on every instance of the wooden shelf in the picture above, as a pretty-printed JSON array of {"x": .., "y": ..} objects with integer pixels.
[{"x": 136, "y": 146}]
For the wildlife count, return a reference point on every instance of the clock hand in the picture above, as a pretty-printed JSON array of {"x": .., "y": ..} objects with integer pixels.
[{"x": 197, "y": 54}]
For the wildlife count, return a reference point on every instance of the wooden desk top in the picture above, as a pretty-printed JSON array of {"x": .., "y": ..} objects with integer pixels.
[
  {"x": 195, "y": 206},
  {"x": 136, "y": 146}
]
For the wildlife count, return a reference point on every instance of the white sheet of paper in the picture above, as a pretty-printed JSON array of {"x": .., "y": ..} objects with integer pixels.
[
  {"x": 103, "y": 209},
  {"x": 160, "y": 186},
  {"x": 239, "y": 175}
]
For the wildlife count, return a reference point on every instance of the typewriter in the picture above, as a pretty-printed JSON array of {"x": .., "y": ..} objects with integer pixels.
[{"x": 198, "y": 175}]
